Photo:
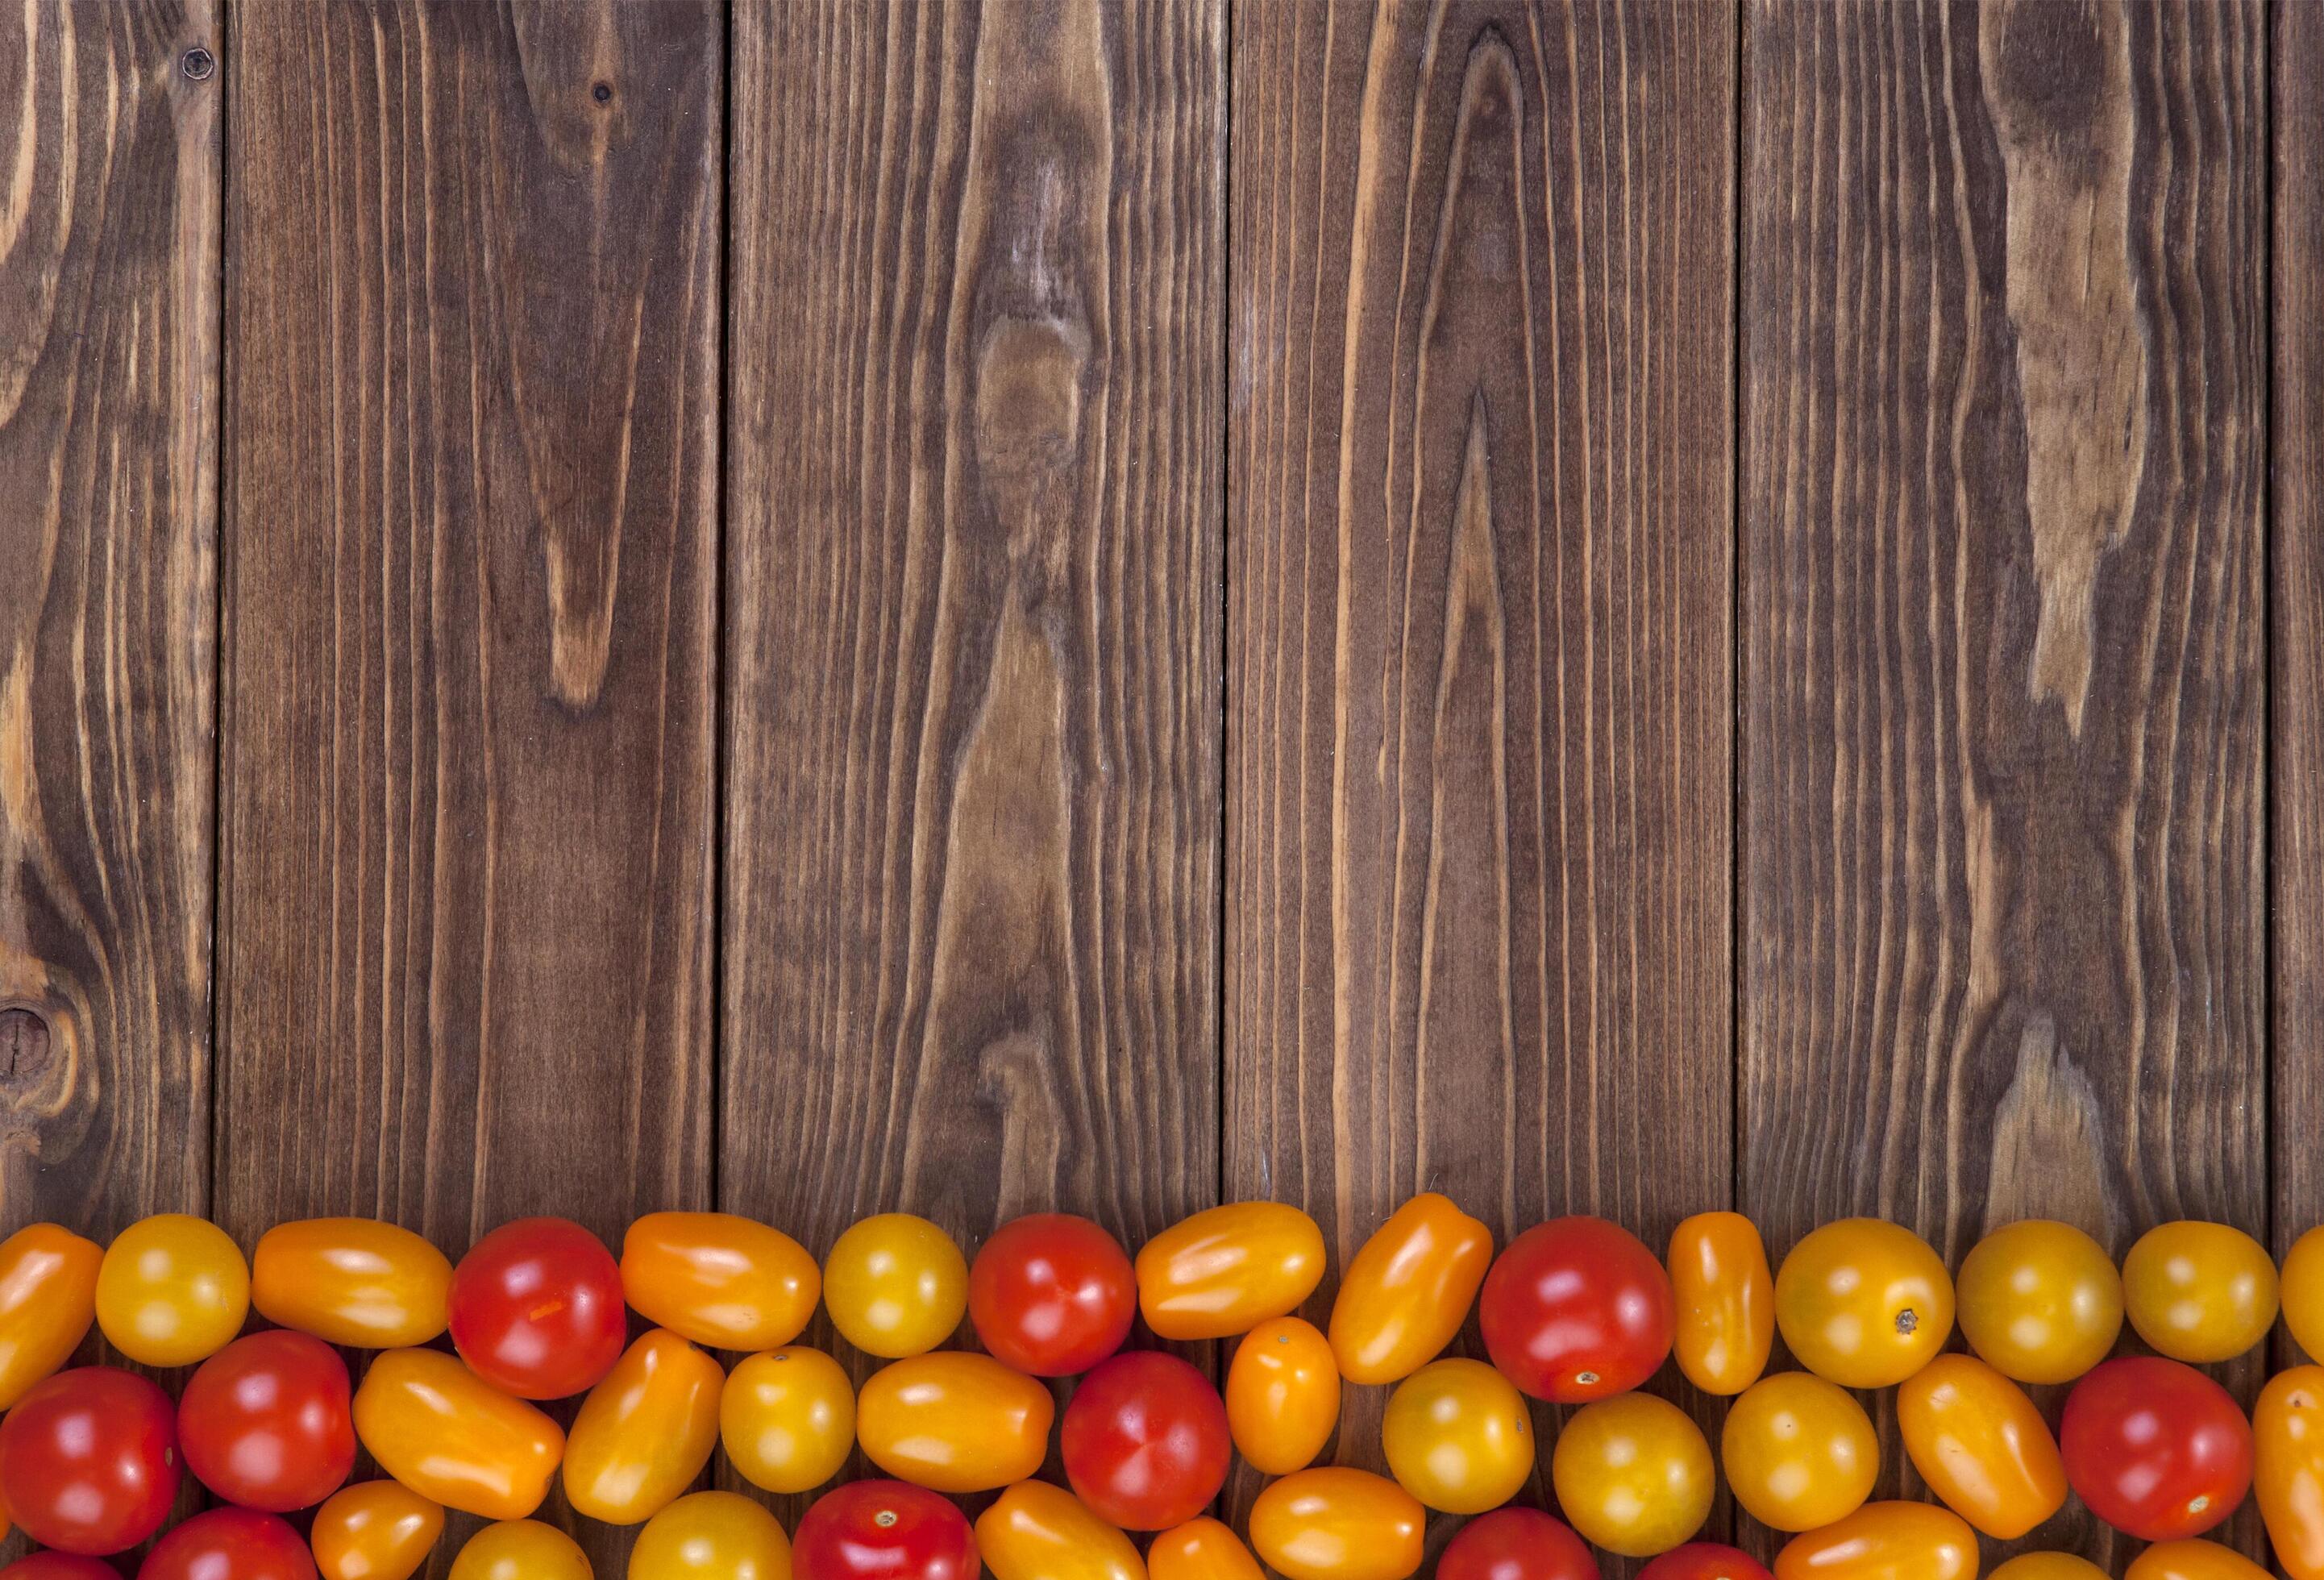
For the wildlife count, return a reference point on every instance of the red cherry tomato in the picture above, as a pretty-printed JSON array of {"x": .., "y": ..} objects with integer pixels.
[
  {"x": 1576, "y": 1309},
  {"x": 2156, "y": 1448},
  {"x": 266, "y": 1423},
  {"x": 1146, "y": 1441},
  {"x": 883, "y": 1531},
  {"x": 1705, "y": 1560},
  {"x": 536, "y": 1309},
  {"x": 1052, "y": 1294},
  {"x": 230, "y": 1544},
  {"x": 58, "y": 1566},
  {"x": 90, "y": 1460},
  {"x": 1517, "y": 1543}
]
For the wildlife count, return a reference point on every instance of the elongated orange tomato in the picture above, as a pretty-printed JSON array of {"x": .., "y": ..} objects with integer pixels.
[
  {"x": 453, "y": 1438},
  {"x": 2288, "y": 1468},
  {"x": 1283, "y": 1395},
  {"x": 2193, "y": 1558},
  {"x": 719, "y": 1280},
  {"x": 1036, "y": 1532},
  {"x": 48, "y": 1298},
  {"x": 1335, "y": 1523},
  {"x": 353, "y": 1281},
  {"x": 645, "y": 1431},
  {"x": 1408, "y": 1290},
  {"x": 1201, "y": 1549},
  {"x": 1726, "y": 1300},
  {"x": 1884, "y": 1542},
  {"x": 374, "y": 1531},
  {"x": 1228, "y": 1269},
  {"x": 954, "y": 1422},
  {"x": 1981, "y": 1445}
]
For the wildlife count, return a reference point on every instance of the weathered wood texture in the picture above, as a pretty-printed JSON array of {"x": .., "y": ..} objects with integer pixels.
[{"x": 2004, "y": 384}]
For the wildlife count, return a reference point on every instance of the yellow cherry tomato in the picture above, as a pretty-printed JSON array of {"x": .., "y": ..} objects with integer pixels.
[
  {"x": 645, "y": 1431},
  {"x": 1864, "y": 1303},
  {"x": 1334, "y": 1523},
  {"x": 1283, "y": 1395},
  {"x": 1036, "y": 1532},
  {"x": 353, "y": 1281},
  {"x": 954, "y": 1422},
  {"x": 1408, "y": 1289},
  {"x": 895, "y": 1286},
  {"x": 48, "y": 1298},
  {"x": 723, "y": 1281},
  {"x": 520, "y": 1549},
  {"x": 787, "y": 1418},
  {"x": 1981, "y": 1445},
  {"x": 1227, "y": 1269},
  {"x": 171, "y": 1290},
  {"x": 1799, "y": 1452},
  {"x": 1884, "y": 1542},
  {"x": 712, "y": 1536},
  {"x": 2047, "y": 1567},
  {"x": 374, "y": 1531},
  {"x": 2040, "y": 1301},
  {"x": 2302, "y": 1289},
  {"x": 2199, "y": 1292},
  {"x": 1459, "y": 1436},
  {"x": 1726, "y": 1301},
  {"x": 2288, "y": 1468},
  {"x": 1201, "y": 1549},
  {"x": 453, "y": 1438},
  {"x": 1633, "y": 1474},
  {"x": 2189, "y": 1558}
]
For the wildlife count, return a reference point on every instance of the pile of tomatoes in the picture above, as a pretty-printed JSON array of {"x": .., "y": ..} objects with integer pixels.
[{"x": 1576, "y": 1311}]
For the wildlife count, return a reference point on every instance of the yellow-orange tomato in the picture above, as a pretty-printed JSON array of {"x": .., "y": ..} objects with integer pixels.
[
  {"x": 1035, "y": 1531},
  {"x": 1283, "y": 1395},
  {"x": 171, "y": 1290},
  {"x": 2288, "y": 1468},
  {"x": 895, "y": 1286},
  {"x": 2189, "y": 1558},
  {"x": 712, "y": 1536},
  {"x": 1633, "y": 1474},
  {"x": 353, "y": 1281},
  {"x": 954, "y": 1422},
  {"x": 1201, "y": 1549},
  {"x": 721, "y": 1281},
  {"x": 1863, "y": 1303},
  {"x": 1884, "y": 1542},
  {"x": 1334, "y": 1523},
  {"x": 1459, "y": 1436},
  {"x": 453, "y": 1438},
  {"x": 1227, "y": 1269},
  {"x": 520, "y": 1549},
  {"x": 48, "y": 1298},
  {"x": 1799, "y": 1452},
  {"x": 2047, "y": 1567},
  {"x": 374, "y": 1531},
  {"x": 2040, "y": 1301},
  {"x": 1408, "y": 1289},
  {"x": 787, "y": 1418},
  {"x": 2199, "y": 1292},
  {"x": 1981, "y": 1445},
  {"x": 2302, "y": 1289},
  {"x": 1726, "y": 1301},
  {"x": 645, "y": 1431}
]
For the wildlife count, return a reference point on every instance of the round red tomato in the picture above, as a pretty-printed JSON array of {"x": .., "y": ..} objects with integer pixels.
[
  {"x": 90, "y": 1461},
  {"x": 1576, "y": 1309},
  {"x": 1705, "y": 1560},
  {"x": 883, "y": 1531},
  {"x": 1052, "y": 1294},
  {"x": 2155, "y": 1449},
  {"x": 1146, "y": 1442},
  {"x": 1517, "y": 1543},
  {"x": 265, "y": 1423},
  {"x": 58, "y": 1566},
  {"x": 536, "y": 1309},
  {"x": 230, "y": 1544}
]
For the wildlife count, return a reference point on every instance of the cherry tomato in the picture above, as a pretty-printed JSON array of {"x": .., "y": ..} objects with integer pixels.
[
  {"x": 895, "y": 1286},
  {"x": 1981, "y": 1445},
  {"x": 725, "y": 1283},
  {"x": 374, "y": 1531},
  {"x": 1408, "y": 1289},
  {"x": 2188, "y": 1560},
  {"x": 1633, "y": 1474},
  {"x": 1335, "y": 1523},
  {"x": 2040, "y": 1301},
  {"x": 353, "y": 1281},
  {"x": 230, "y": 1544},
  {"x": 536, "y": 1309},
  {"x": 954, "y": 1422},
  {"x": 2302, "y": 1288},
  {"x": 883, "y": 1531},
  {"x": 712, "y": 1536},
  {"x": 2047, "y": 1567},
  {"x": 1725, "y": 1321},
  {"x": 1863, "y": 1303},
  {"x": 90, "y": 1460},
  {"x": 1035, "y": 1531},
  {"x": 1799, "y": 1452},
  {"x": 1201, "y": 1549},
  {"x": 58, "y": 1566},
  {"x": 520, "y": 1549},
  {"x": 645, "y": 1432},
  {"x": 1884, "y": 1542},
  {"x": 1228, "y": 1269},
  {"x": 266, "y": 1422},
  {"x": 171, "y": 1290},
  {"x": 2199, "y": 1292},
  {"x": 787, "y": 1418},
  {"x": 1517, "y": 1543},
  {"x": 1705, "y": 1560},
  {"x": 48, "y": 1298},
  {"x": 1576, "y": 1309},
  {"x": 1146, "y": 1442},
  {"x": 1051, "y": 1295},
  {"x": 1283, "y": 1395},
  {"x": 1458, "y": 1437},
  {"x": 453, "y": 1438},
  {"x": 2288, "y": 1464},
  {"x": 2156, "y": 1448}
]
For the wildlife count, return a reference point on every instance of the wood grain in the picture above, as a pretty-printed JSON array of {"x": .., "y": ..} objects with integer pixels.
[{"x": 2004, "y": 416}]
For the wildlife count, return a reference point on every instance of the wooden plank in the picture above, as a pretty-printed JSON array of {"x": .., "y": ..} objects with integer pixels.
[
  {"x": 1480, "y": 601},
  {"x": 2004, "y": 409}
]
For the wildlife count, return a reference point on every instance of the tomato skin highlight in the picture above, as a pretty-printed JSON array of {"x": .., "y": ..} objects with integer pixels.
[
  {"x": 1051, "y": 1295},
  {"x": 230, "y": 1544},
  {"x": 1705, "y": 1560},
  {"x": 894, "y": 1285},
  {"x": 1725, "y": 1302},
  {"x": 1799, "y": 1452},
  {"x": 537, "y": 1308},
  {"x": 1517, "y": 1543},
  {"x": 954, "y": 1421},
  {"x": 1458, "y": 1437},
  {"x": 450, "y": 1436},
  {"x": 1404, "y": 1294},
  {"x": 1335, "y": 1523},
  {"x": 352, "y": 1281},
  {"x": 2288, "y": 1468},
  {"x": 171, "y": 1290},
  {"x": 2040, "y": 1301},
  {"x": 1577, "y": 1309},
  {"x": 724, "y": 1282},
  {"x": 1283, "y": 1395},
  {"x": 2199, "y": 1292},
  {"x": 1144, "y": 1441},
  {"x": 2155, "y": 1449},
  {"x": 1036, "y": 1532},
  {"x": 48, "y": 1300},
  {"x": 712, "y": 1536},
  {"x": 1228, "y": 1269},
  {"x": 1201, "y": 1549},
  {"x": 1633, "y": 1474},
  {"x": 374, "y": 1531},
  {"x": 90, "y": 1461},
  {"x": 1981, "y": 1445},
  {"x": 645, "y": 1431},
  {"x": 2190, "y": 1559},
  {"x": 520, "y": 1549},
  {"x": 787, "y": 1418},
  {"x": 1884, "y": 1542},
  {"x": 883, "y": 1531},
  {"x": 1863, "y": 1303}
]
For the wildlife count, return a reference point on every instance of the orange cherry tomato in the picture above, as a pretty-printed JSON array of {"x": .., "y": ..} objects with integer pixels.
[
  {"x": 2288, "y": 1468},
  {"x": 1726, "y": 1301},
  {"x": 353, "y": 1281},
  {"x": 1799, "y": 1452},
  {"x": 2199, "y": 1292},
  {"x": 1864, "y": 1303},
  {"x": 712, "y": 1536},
  {"x": 1201, "y": 1549},
  {"x": 2301, "y": 1290},
  {"x": 1334, "y": 1523},
  {"x": 954, "y": 1422},
  {"x": 2040, "y": 1301},
  {"x": 895, "y": 1286},
  {"x": 1981, "y": 1445},
  {"x": 1036, "y": 1532},
  {"x": 2047, "y": 1567},
  {"x": 171, "y": 1290},
  {"x": 724, "y": 1281},
  {"x": 520, "y": 1549},
  {"x": 1227, "y": 1269},
  {"x": 1884, "y": 1542},
  {"x": 48, "y": 1298},
  {"x": 1408, "y": 1289},
  {"x": 645, "y": 1431},
  {"x": 453, "y": 1438},
  {"x": 374, "y": 1531},
  {"x": 787, "y": 1418},
  {"x": 1459, "y": 1436},
  {"x": 1283, "y": 1395},
  {"x": 1633, "y": 1474},
  {"x": 2191, "y": 1558}
]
